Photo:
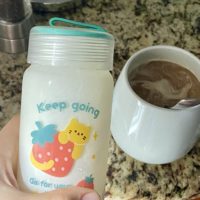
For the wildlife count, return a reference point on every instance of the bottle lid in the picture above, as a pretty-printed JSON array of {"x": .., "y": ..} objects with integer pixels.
[{"x": 59, "y": 44}]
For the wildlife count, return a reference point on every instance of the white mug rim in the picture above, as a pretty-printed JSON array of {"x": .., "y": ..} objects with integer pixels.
[{"x": 131, "y": 60}]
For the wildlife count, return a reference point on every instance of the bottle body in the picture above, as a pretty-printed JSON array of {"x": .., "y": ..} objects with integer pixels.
[{"x": 65, "y": 126}]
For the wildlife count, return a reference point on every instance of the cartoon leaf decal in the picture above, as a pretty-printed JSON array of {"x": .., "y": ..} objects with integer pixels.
[
  {"x": 43, "y": 134},
  {"x": 89, "y": 179}
]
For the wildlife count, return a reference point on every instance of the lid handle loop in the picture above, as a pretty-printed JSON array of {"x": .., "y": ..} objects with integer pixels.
[{"x": 52, "y": 22}]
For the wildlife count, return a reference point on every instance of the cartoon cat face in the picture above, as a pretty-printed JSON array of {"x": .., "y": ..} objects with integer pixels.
[{"x": 77, "y": 132}]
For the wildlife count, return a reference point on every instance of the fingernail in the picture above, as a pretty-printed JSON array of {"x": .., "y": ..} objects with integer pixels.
[{"x": 91, "y": 196}]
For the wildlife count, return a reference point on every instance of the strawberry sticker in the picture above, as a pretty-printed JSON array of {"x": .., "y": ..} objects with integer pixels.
[
  {"x": 88, "y": 182},
  {"x": 54, "y": 152},
  {"x": 60, "y": 157}
]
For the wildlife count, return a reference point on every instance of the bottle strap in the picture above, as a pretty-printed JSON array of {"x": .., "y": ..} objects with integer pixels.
[{"x": 52, "y": 22}]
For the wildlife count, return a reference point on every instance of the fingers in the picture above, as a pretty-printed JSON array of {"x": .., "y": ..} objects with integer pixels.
[
  {"x": 7, "y": 175},
  {"x": 8, "y": 192},
  {"x": 9, "y": 151},
  {"x": 73, "y": 193},
  {"x": 9, "y": 137}
]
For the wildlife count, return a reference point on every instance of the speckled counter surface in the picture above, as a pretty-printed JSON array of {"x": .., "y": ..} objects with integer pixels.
[{"x": 135, "y": 25}]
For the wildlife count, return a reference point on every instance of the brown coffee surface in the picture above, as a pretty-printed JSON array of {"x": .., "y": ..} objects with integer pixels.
[{"x": 163, "y": 83}]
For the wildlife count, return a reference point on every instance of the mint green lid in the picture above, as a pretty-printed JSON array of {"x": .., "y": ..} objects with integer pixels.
[
  {"x": 83, "y": 30},
  {"x": 86, "y": 43}
]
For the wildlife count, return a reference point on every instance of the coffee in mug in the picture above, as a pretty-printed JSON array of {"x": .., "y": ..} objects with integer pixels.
[{"x": 164, "y": 83}]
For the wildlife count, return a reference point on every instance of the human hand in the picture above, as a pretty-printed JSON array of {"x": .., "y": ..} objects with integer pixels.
[{"x": 9, "y": 189}]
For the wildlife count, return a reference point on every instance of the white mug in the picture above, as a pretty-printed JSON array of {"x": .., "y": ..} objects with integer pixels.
[{"x": 144, "y": 131}]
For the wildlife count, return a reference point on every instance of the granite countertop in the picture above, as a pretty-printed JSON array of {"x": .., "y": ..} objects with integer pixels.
[{"x": 135, "y": 25}]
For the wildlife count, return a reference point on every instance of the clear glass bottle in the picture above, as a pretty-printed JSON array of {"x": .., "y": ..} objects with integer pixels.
[{"x": 66, "y": 108}]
